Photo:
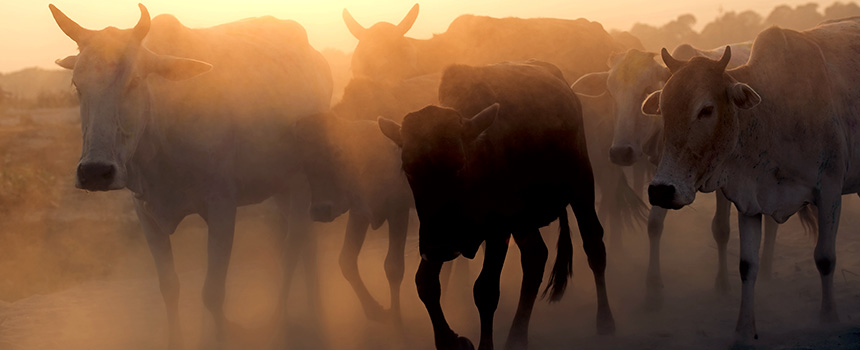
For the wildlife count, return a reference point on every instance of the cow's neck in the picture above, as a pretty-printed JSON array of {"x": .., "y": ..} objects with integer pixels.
[{"x": 653, "y": 145}]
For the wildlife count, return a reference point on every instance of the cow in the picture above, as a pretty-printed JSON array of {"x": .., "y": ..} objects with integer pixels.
[
  {"x": 773, "y": 136},
  {"x": 503, "y": 155},
  {"x": 576, "y": 46},
  {"x": 183, "y": 142},
  {"x": 631, "y": 77},
  {"x": 368, "y": 99}
]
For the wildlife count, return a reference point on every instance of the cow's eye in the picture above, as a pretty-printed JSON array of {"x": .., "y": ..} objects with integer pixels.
[{"x": 706, "y": 111}]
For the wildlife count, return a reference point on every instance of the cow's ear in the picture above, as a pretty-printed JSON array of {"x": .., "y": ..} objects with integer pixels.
[
  {"x": 176, "y": 68},
  {"x": 391, "y": 130},
  {"x": 68, "y": 62},
  {"x": 592, "y": 84},
  {"x": 743, "y": 96},
  {"x": 651, "y": 105},
  {"x": 480, "y": 122}
]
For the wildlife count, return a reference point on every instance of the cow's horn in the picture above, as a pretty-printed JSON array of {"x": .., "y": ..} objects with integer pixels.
[
  {"x": 68, "y": 26},
  {"x": 727, "y": 56},
  {"x": 356, "y": 29},
  {"x": 407, "y": 22},
  {"x": 142, "y": 26},
  {"x": 670, "y": 61}
]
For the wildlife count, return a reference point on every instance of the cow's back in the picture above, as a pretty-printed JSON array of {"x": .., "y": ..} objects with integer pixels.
[
  {"x": 258, "y": 63},
  {"x": 577, "y": 46},
  {"x": 535, "y": 149},
  {"x": 265, "y": 76},
  {"x": 839, "y": 41}
]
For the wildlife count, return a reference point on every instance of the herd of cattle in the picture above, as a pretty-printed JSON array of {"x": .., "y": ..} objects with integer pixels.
[{"x": 479, "y": 130}]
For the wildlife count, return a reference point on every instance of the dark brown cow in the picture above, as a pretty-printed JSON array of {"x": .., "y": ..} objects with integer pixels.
[
  {"x": 510, "y": 166},
  {"x": 385, "y": 53}
]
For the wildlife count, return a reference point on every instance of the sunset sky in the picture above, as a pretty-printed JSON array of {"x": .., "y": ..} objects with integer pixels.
[{"x": 29, "y": 36}]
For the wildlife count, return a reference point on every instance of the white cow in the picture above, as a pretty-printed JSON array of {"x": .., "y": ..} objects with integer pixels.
[
  {"x": 621, "y": 90},
  {"x": 204, "y": 145},
  {"x": 772, "y": 136}
]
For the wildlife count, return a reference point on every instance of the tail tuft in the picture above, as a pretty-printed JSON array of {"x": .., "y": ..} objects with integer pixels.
[
  {"x": 809, "y": 218},
  {"x": 563, "y": 268}
]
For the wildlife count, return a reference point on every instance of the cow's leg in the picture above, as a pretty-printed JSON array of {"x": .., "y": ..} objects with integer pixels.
[
  {"x": 653, "y": 279},
  {"x": 429, "y": 290},
  {"x": 592, "y": 242},
  {"x": 770, "y": 227},
  {"x": 398, "y": 224},
  {"x": 721, "y": 230},
  {"x": 829, "y": 210},
  {"x": 356, "y": 230},
  {"x": 157, "y": 234},
  {"x": 445, "y": 277},
  {"x": 486, "y": 290},
  {"x": 749, "y": 227},
  {"x": 615, "y": 216},
  {"x": 533, "y": 254},
  {"x": 295, "y": 221},
  {"x": 221, "y": 218}
]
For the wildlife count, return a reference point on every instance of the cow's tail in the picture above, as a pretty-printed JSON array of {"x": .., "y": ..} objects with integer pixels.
[
  {"x": 632, "y": 210},
  {"x": 809, "y": 218},
  {"x": 563, "y": 268}
]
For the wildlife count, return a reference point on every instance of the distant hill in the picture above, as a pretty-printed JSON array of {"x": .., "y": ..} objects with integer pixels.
[{"x": 29, "y": 83}]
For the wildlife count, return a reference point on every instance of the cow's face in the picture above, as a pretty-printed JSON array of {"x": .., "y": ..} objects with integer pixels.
[
  {"x": 110, "y": 75},
  {"x": 629, "y": 83},
  {"x": 383, "y": 52},
  {"x": 434, "y": 142},
  {"x": 322, "y": 160},
  {"x": 699, "y": 104},
  {"x": 631, "y": 78}
]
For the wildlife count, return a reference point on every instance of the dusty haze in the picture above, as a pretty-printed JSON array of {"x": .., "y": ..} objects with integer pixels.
[{"x": 76, "y": 273}]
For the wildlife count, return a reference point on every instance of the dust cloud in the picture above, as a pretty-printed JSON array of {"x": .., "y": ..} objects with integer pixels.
[{"x": 76, "y": 274}]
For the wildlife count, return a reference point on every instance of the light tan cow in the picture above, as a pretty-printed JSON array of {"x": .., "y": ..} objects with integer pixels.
[
  {"x": 577, "y": 47},
  {"x": 620, "y": 91},
  {"x": 204, "y": 145},
  {"x": 772, "y": 136}
]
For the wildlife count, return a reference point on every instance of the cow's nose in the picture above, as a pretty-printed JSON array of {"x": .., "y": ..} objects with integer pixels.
[
  {"x": 96, "y": 176},
  {"x": 621, "y": 155},
  {"x": 322, "y": 212},
  {"x": 662, "y": 195}
]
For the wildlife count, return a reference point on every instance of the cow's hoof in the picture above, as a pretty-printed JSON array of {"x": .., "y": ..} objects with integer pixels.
[
  {"x": 464, "y": 343},
  {"x": 605, "y": 324},
  {"x": 376, "y": 313},
  {"x": 517, "y": 343},
  {"x": 460, "y": 343},
  {"x": 653, "y": 302},
  {"x": 744, "y": 339},
  {"x": 829, "y": 317},
  {"x": 721, "y": 285}
]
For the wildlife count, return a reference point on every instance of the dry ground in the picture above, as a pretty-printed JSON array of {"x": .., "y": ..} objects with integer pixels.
[{"x": 75, "y": 273}]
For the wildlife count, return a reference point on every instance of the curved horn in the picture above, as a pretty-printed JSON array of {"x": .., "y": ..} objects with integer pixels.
[
  {"x": 142, "y": 26},
  {"x": 407, "y": 22},
  {"x": 68, "y": 26},
  {"x": 727, "y": 56},
  {"x": 356, "y": 29},
  {"x": 670, "y": 61}
]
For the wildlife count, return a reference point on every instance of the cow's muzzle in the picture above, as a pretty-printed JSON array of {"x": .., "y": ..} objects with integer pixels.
[
  {"x": 96, "y": 176},
  {"x": 664, "y": 196},
  {"x": 623, "y": 155}
]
